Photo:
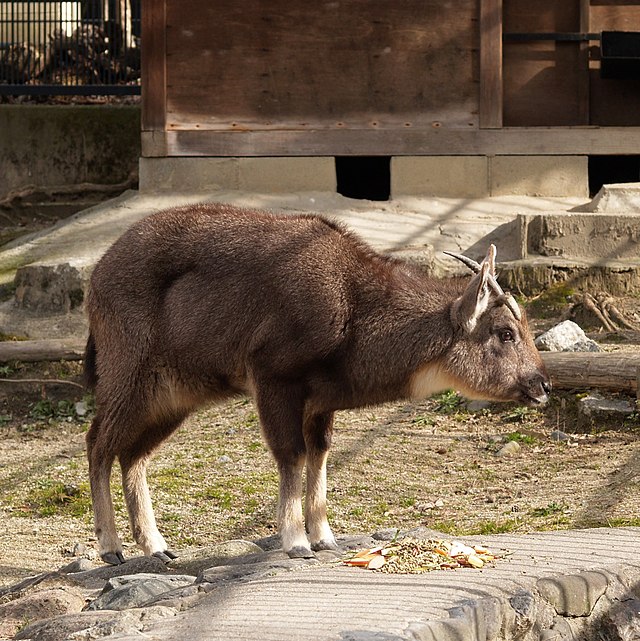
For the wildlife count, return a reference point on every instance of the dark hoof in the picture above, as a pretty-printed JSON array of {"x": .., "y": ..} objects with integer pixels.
[
  {"x": 113, "y": 558},
  {"x": 325, "y": 544},
  {"x": 166, "y": 557},
  {"x": 300, "y": 552}
]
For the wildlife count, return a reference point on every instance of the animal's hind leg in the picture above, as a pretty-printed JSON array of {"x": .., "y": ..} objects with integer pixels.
[
  {"x": 317, "y": 433},
  {"x": 101, "y": 456},
  {"x": 133, "y": 463}
]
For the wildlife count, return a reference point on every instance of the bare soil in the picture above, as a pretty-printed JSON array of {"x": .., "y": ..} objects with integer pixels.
[{"x": 397, "y": 466}]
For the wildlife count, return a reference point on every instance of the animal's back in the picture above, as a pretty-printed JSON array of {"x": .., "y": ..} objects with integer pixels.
[{"x": 214, "y": 284}]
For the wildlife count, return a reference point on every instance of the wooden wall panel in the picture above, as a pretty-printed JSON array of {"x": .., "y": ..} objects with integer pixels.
[
  {"x": 296, "y": 64},
  {"x": 613, "y": 102},
  {"x": 544, "y": 81}
]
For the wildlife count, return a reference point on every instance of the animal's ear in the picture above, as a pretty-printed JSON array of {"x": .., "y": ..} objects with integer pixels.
[{"x": 474, "y": 301}]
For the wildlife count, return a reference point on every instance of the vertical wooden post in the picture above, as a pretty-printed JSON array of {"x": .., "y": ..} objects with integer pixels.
[
  {"x": 490, "y": 64},
  {"x": 154, "y": 69},
  {"x": 583, "y": 79}
]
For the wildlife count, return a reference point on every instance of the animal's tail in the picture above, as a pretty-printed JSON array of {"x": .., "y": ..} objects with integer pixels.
[{"x": 90, "y": 371}]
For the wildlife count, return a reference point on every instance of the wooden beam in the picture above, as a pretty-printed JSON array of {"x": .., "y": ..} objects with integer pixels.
[
  {"x": 42, "y": 350},
  {"x": 154, "y": 71},
  {"x": 522, "y": 141},
  {"x": 490, "y": 63},
  {"x": 583, "y": 70},
  {"x": 583, "y": 370}
]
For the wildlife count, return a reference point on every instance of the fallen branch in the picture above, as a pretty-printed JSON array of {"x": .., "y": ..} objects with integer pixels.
[
  {"x": 617, "y": 371},
  {"x": 42, "y": 350},
  {"x": 41, "y": 381}
]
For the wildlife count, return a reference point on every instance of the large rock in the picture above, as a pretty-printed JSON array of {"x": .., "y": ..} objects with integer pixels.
[
  {"x": 136, "y": 590},
  {"x": 565, "y": 337},
  {"x": 87, "y": 626},
  {"x": 38, "y": 605},
  {"x": 47, "y": 288}
]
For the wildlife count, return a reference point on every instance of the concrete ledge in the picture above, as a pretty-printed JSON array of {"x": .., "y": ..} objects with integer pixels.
[
  {"x": 445, "y": 176},
  {"x": 261, "y": 175},
  {"x": 539, "y": 176}
]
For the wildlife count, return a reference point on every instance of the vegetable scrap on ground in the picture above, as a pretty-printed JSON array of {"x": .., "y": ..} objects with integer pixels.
[{"x": 415, "y": 556}]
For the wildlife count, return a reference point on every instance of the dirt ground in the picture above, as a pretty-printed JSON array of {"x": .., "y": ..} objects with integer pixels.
[{"x": 403, "y": 465}]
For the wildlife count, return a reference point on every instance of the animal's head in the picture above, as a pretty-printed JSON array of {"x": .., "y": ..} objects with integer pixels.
[{"x": 494, "y": 356}]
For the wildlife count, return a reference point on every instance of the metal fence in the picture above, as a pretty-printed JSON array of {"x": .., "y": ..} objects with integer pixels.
[{"x": 82, "y": 47}]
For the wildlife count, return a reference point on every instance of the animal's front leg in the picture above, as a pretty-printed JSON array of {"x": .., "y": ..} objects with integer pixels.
[
  {"x": 290, "y": 522},
  {"x": 281, "y": 411},
  {"x": 320, "y": 533},
  {"x": 317, "y": 433}
]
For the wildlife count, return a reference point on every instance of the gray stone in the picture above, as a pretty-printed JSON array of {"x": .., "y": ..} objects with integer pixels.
[
  {"x": 78, "y": 565},
  {"x": 620, "y": 198},
  {"x": 96, "y": 578},
  {"x": 622, "y": 622},
  {"x": 253, "y": 570},
  {"x": 510, "y": 448},
  {"x": 477, "y": 406},
  {"x": 195, "y": 560},
  {"x": 51, "y": 288},
  {"x": 37, "y": 605},
  {"x": 565, "y": 337},
  {"x": 573, "y": 595},
  {"x": 559, "y": 435},
  {"x": 596, "y": 407},
  {"x": 133, "y": 591},
  {"x": 87, "y": 626},
  {"x": 586, "y": 345},
  {"x": 559, "y": 631}
]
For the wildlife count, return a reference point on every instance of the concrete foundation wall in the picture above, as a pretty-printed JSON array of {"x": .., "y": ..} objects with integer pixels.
[
  {"x": 270, "y": 175},
  {"x": 57, "y": 145},
  {"x": 443, "y": 176}
]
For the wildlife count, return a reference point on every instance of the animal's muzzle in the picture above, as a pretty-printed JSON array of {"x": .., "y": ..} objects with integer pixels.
[{"x": 537, "y": 390}]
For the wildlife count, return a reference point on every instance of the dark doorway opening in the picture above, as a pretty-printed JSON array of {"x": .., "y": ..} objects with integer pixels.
[
  {"x": 367, "y": 177},
  {"x": 605, "y": 170}
]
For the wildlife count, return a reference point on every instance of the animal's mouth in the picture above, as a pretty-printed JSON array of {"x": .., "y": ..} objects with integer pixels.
[{"x": 534, "y": 401}]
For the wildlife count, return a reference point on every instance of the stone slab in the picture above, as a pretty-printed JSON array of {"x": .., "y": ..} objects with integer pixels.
[{"x": 334, "y": 603}]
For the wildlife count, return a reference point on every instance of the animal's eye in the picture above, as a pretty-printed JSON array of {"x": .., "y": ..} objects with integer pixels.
[{"x": 506, "y": 336}]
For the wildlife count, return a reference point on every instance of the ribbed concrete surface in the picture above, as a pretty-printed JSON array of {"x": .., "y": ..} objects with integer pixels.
[{"x": 337, "y": 603}]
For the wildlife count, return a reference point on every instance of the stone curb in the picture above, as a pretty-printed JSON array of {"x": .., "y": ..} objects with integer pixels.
[{"x": 561, "y": 608}]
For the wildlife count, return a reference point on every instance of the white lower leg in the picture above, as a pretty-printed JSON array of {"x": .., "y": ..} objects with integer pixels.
[
  {"x": 140, "y": 508},
  {"x": 103, "y": 517},
  {"x": 320, "y": 533},
  {"x": 290, "y": 521}
]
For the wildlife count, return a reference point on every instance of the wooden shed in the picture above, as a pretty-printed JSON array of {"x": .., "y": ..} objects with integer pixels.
[{"x": 449, "y": 97}]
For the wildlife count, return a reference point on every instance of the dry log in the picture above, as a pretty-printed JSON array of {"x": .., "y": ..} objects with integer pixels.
[
  {"x": 42, "y": 350},
  {"x": 575, "y": 370}
]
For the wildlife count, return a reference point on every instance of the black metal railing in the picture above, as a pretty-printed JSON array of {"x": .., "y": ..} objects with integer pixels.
[{"x": 82, "y": 47}]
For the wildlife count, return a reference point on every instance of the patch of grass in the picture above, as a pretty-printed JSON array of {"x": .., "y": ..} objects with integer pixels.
[
  {"x": 548, "y": 510},
  {"x": 50, "y": 410},
  {"x": 551, "y": 302},
  {"x": 449, "y": 402},
  {"x": 519, "y": 437},
  {"x": 49, "y": 498},
  {"x": 493, "y": 527},
  {"x": 423, "y": 420},
  {"x": 520, "y": 414}
]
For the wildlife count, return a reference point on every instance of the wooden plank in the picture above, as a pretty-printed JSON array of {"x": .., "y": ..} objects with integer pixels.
[
  {"x": 446, "y": 142},
  {"x": 583, "y": 370},
  {"x": 490, "y": 63},
  {"x": 583, "y": 69},
  {"x": 154, "y": 76},
  {"x": 298, "y": 64},
  {"x": 544, "y": 81},
  {"x": 42, "y": 350}
]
